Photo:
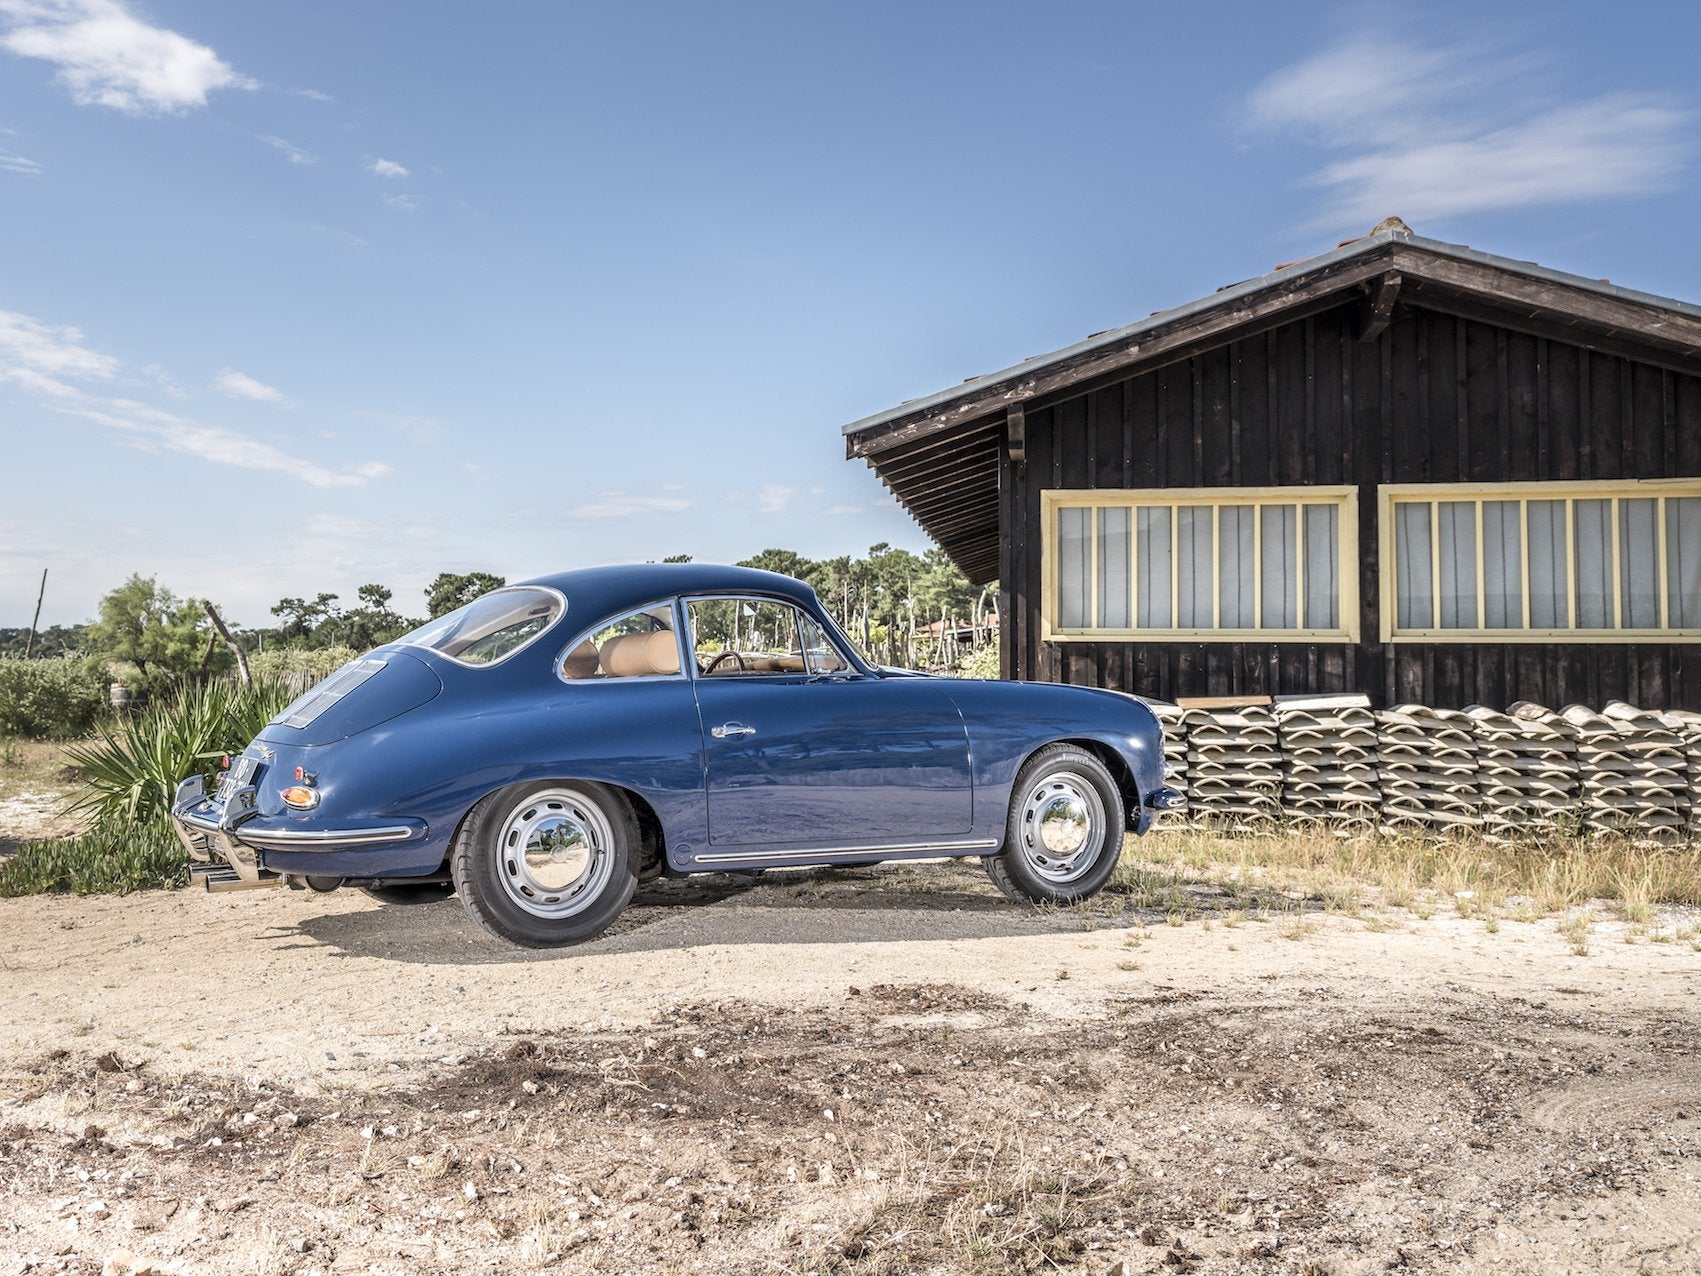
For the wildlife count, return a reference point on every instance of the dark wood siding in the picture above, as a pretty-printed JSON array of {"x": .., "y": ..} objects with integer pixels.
[{"x": 1434, "y": 399}]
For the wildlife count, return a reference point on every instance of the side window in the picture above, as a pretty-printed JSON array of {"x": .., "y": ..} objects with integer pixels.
[
  {"x": 823, "y": 656},
  {"x": 642, "y": 644},
  {"x": 741, "y": 636}
]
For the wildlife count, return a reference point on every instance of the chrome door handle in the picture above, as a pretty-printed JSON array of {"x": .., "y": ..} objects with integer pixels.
[{"x": 731, "y": 729}]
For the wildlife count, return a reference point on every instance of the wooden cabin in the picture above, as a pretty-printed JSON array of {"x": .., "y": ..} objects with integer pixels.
[{"x": 1404, "y": 467}]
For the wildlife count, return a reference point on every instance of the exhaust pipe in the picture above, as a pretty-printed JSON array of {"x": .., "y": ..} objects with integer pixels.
[{"x": 216, "y": 879}]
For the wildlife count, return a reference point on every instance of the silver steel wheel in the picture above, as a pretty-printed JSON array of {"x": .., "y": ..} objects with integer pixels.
[
  {"x": 556, "y": 853},
  {"x": 1062, "y": 825}
]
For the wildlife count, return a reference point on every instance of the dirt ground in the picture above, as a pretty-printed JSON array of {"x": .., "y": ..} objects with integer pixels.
[{"x": 864, "y": 1071}]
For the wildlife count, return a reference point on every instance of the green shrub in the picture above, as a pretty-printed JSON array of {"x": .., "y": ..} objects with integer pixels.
[
  {"x": 60, "y": 698},
  {"x": 982, "y": 662},
  {"x": 113, "y": 858},
  {"x": 284, "y": 663},
  {"x": 133, "y": 767}
]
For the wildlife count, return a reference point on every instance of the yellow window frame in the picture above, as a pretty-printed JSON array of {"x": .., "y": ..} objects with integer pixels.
[
  {"x": 1436, "y": 494},
  {"x": 1343, "y": 498}
]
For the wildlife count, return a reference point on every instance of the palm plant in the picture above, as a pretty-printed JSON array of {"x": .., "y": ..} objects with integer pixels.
[{"x": 133, "y": 767}]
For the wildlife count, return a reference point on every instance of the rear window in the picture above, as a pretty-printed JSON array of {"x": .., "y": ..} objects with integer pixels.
[{"x": 490, "y": 628}]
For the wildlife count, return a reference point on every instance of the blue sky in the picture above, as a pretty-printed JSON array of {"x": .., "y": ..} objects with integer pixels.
[{"x": 297, "y": 297}]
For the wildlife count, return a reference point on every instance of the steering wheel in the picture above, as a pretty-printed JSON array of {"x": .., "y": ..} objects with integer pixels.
[{"x": 724, "y": 656}]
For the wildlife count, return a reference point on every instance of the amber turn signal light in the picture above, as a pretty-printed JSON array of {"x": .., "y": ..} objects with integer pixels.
[{"x": 300, "y": 797}]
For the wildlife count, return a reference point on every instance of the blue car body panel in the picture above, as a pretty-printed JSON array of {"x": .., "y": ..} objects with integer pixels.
[{"x": 811, "y": 768}]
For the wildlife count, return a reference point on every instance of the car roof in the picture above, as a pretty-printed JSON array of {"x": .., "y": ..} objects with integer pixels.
[{"x": 595, "y": 592}]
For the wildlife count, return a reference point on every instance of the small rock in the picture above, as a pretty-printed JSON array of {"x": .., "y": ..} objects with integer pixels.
[{"x": 469, "y": 1189}]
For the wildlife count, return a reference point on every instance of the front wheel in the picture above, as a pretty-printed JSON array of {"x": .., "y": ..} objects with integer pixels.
[
  {"x": 548, "y": 864},
  {"x": 1063, "y": 835}
]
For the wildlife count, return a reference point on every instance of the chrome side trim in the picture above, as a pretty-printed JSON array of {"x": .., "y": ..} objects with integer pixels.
[
  {"x": 817, "y": 852},
  {"x": 284, "y": 839}
]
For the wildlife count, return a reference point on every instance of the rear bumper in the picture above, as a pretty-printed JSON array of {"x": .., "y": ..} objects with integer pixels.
[{"x": 233, "y": 831}]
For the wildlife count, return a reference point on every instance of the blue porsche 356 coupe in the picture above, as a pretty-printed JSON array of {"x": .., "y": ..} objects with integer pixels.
[{"x": 544, "y": 748}]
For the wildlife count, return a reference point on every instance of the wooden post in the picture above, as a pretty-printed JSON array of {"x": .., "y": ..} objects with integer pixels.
[
  {"x": 241, "y": 660},
  {"x": 29, "y": 643}
]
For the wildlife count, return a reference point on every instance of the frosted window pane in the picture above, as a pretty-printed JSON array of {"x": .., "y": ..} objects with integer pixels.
[
  {"x": 1194, "y": 562},
  {"x": 1683, "y": 562},
  {"x": 1239, "y": 569},
  {"x": 1322, "y": 567},
  {"x": 1113, "y": 569},
  {"x": 1502, "y": 566},
  {"x": 1413, "y": 609},
  {"x": 1458, "y": 520},
  {"x": 1152, "y": 526},
  {"x": 1638, "y": 567},
  {"x": 1279, "y": 550},
  {"x": 1545, "y": 525},
  {"x": 1073, "y": 565},
  {"x": 1593, "y": 538}
]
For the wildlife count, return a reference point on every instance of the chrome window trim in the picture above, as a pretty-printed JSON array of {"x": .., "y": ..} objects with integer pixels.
[
  {"x": 506, "y": 656},
  {"x": 672, "y": 604}
]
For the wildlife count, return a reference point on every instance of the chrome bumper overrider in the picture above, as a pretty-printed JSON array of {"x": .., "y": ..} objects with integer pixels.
[
  {"x": 1166, "y": 799},
  {"x": 208, "y": 830}
]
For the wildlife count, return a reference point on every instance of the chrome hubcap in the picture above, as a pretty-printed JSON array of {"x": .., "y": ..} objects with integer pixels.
[
  {"x": 555, "y": 853},
  {"x": 1062, "y": 826}
]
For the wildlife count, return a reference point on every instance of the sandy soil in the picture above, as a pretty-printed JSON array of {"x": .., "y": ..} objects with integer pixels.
[{"x": 870, "y": 1071}]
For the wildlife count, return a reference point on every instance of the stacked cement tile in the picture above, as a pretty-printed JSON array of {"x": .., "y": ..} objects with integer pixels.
[
  {"x": 1172, "y": 719},
  {"x": 1234, "y": 769},
  {"x": 1687, "y": 725},
  {"x": 1634, "y": 777},
  {"x": 1328, "y": 750},
  {"x": 1426, "y": 760},
  {"x": 1526, "y": 771}
]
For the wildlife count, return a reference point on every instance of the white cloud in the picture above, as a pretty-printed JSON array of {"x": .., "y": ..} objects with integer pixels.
[
  {"x": 1436, "y": 131},
  {"x": 600, "y": 505},
  {"x": 313, "y": 95},
  {"x": 773, "y": 498},
  {"x": 12, "y": 162},
  {"x": 44, "y": 360},
  {"x": 239, "y": 385},
  {"x": 388, "y": 168},
  {"x": 402, "y": 203},
  {"x": 294, "y": 153},
  {"x": 29, "y": 344},
  {"x": 108, "y": 57}
]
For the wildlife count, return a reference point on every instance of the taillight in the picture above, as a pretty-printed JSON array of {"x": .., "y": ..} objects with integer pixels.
[{"x": 300, "y": 797}]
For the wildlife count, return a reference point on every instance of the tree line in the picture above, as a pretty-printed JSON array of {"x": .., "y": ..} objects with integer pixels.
[{"x": 886, "y": 600}]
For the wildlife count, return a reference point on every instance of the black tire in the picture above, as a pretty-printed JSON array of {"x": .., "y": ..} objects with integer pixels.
[
  {"x": 582, "y": 869},
  {"x": 410, "y": 892},
  {"x": 1062, "y": 792}
]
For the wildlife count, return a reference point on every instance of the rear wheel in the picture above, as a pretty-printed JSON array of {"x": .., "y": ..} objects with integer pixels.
[
  {"x": 1063, "y": 835},
  {"x": 547, "y": 864}
]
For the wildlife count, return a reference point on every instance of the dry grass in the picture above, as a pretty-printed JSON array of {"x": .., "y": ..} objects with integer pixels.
[{"x": 1470, "y": 877}]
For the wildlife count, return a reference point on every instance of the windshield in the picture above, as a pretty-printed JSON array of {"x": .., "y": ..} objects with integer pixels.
[{"x": 490, "y": 628}]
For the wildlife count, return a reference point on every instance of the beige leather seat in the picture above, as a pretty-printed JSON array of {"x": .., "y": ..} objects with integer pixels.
[{"x": 641, "y": 655}]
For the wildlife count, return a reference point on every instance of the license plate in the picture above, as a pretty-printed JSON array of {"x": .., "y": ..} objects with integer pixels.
[{"x": 241, "y": 772}]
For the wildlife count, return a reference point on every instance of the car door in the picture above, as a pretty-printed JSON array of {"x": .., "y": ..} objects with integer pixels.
[{"x": 805, "y": 753}]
